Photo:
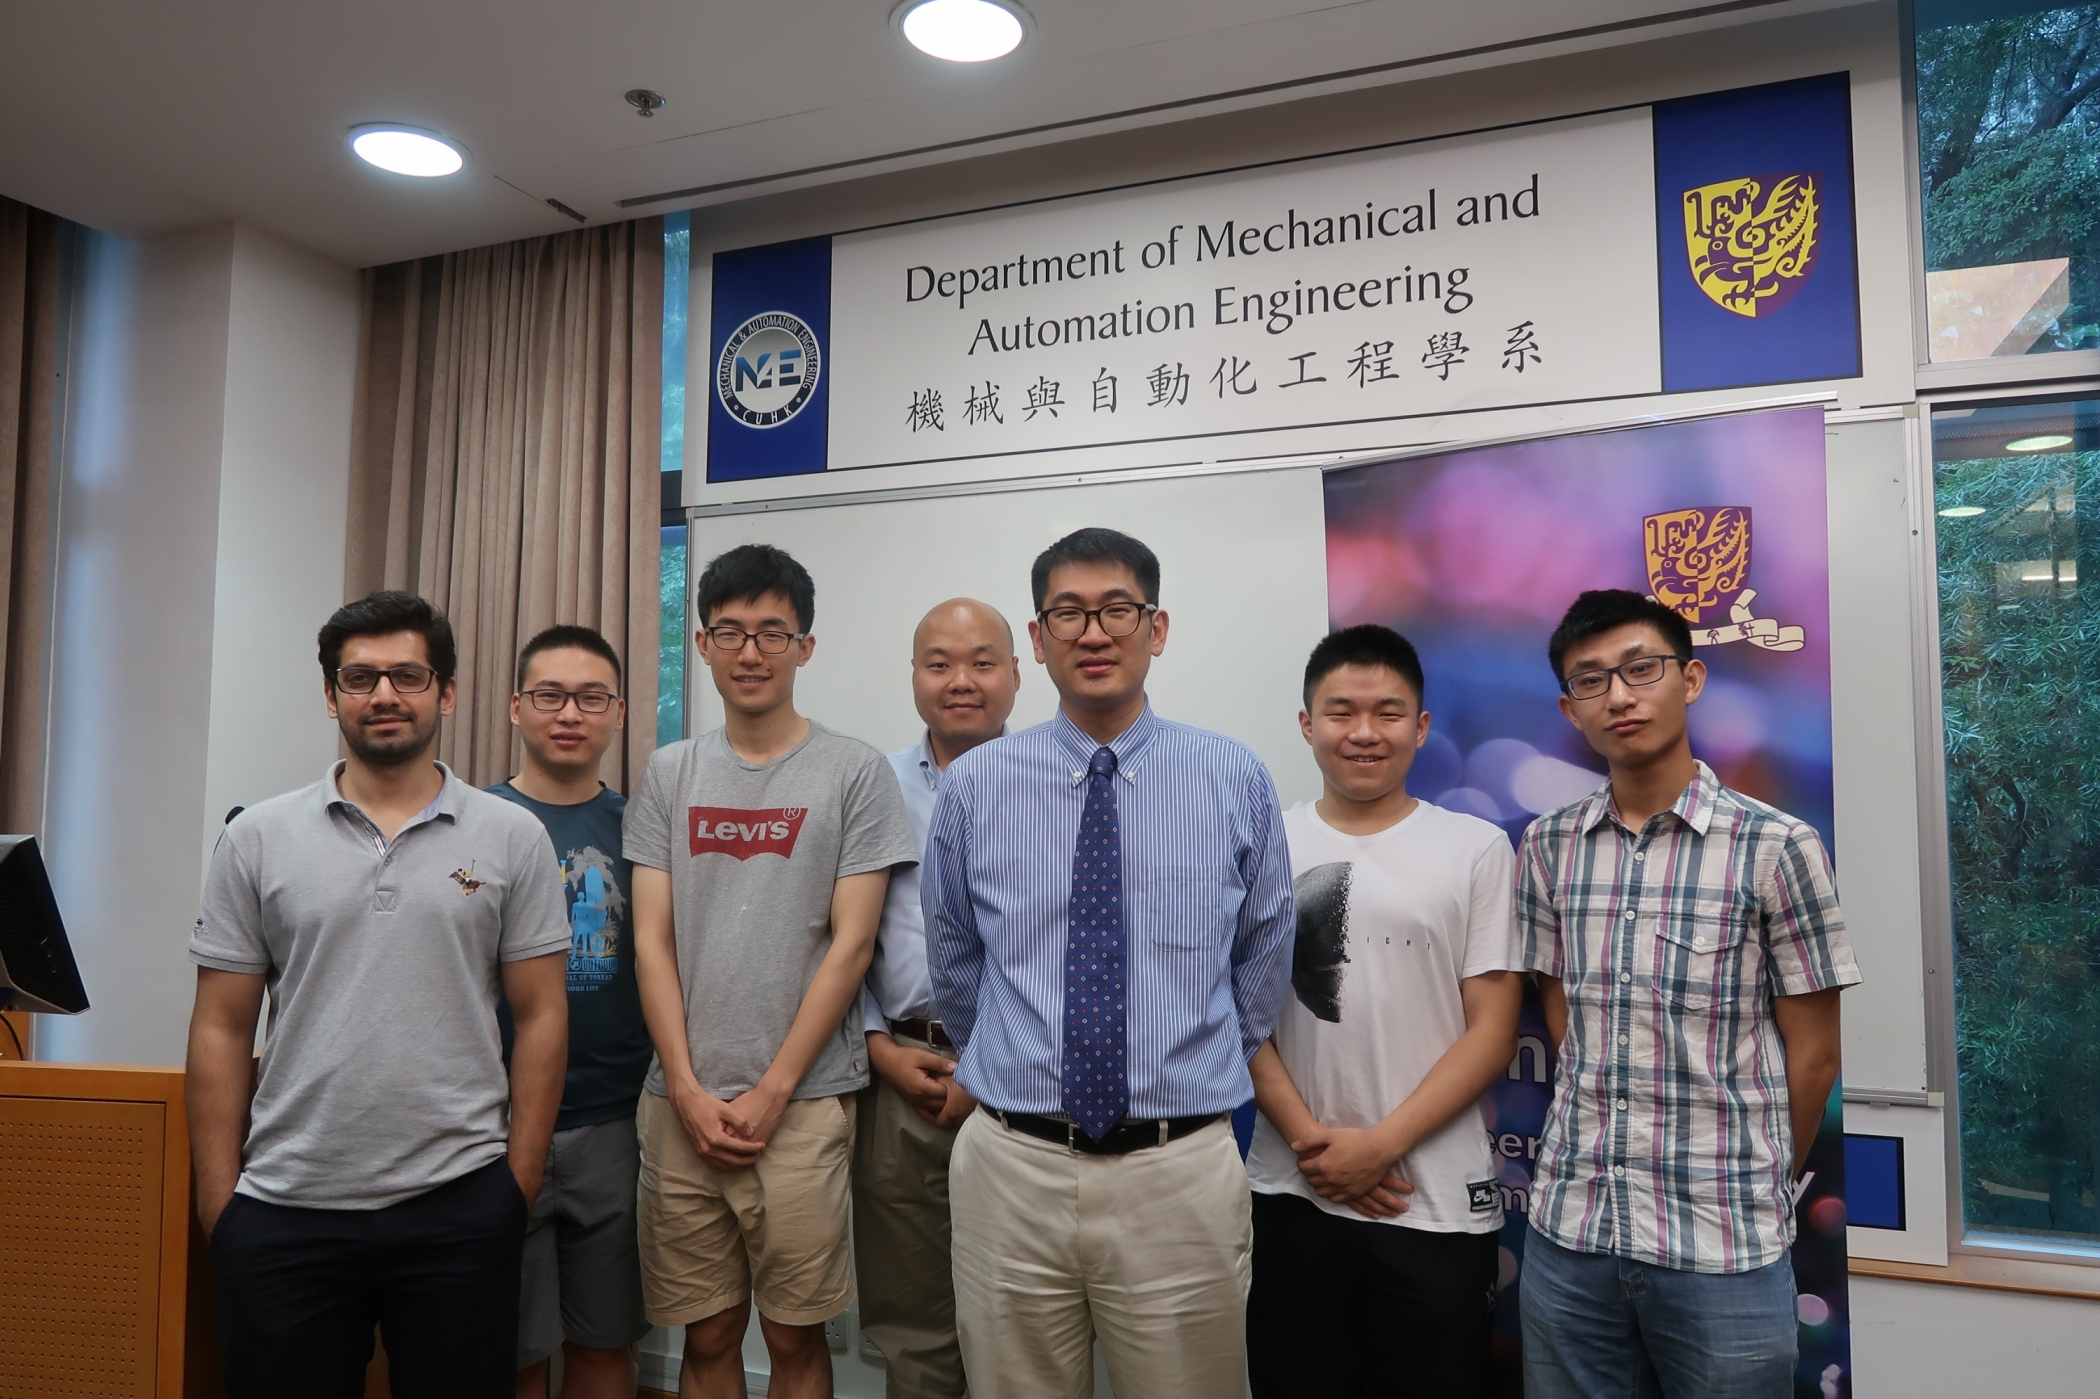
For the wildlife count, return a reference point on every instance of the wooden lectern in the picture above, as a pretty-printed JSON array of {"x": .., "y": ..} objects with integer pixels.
[{"x": 106, "y": 1279}]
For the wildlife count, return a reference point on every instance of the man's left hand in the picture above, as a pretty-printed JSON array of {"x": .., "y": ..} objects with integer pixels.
[{"x": 756, "y": 1112}]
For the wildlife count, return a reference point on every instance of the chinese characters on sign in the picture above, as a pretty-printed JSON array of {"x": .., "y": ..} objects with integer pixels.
[{"x": 1166, "y": 385}]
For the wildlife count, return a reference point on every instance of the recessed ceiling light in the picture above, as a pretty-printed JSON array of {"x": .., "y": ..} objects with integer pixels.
[
  {"x": 962, "y": 31},
  {"x": 2046, "y": 442},
  {"x": 1961, "y": 512},
  {"x": 405, "y": 150}
]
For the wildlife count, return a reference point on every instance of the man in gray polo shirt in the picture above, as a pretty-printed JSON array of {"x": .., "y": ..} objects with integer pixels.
[{"x": 378, "y": 1169}]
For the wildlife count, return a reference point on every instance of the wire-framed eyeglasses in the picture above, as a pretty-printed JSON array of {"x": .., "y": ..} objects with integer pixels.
[
  {"x": 550, "y": 700},
  {"x": 1118, "y": 619},
  {"x": 732, "y": 639},
  {"x": 364, "y": 679},
  {"x": 1641, "y": 670}
]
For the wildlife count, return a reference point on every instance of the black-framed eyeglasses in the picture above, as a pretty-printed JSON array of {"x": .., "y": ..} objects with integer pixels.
[
  {"x": 364, "y": 679},
  {"x": 732, "y": 639},
  {"x": 1641, "y": 670},
  {"x": 551, "y": 700},
  {"x": 1118, "y": 619}
]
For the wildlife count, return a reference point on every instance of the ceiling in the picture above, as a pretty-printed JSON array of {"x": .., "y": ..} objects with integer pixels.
[{"x": 140, "y": 118}]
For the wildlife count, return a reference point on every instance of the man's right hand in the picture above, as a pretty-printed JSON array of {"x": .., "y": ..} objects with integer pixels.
[
  {"x": 919, "y": 1075},
  {"x": 715, "y": 1133},
  {"x": 208, "y": 1212}
]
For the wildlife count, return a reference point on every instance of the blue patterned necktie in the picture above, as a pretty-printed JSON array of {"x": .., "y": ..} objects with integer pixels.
[{"x": 1096, "y": 1083}]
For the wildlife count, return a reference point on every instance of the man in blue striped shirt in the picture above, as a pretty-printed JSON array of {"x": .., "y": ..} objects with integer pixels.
[{"x": 1109, "y": 918}]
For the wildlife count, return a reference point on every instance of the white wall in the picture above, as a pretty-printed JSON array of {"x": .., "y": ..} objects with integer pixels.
[
  {"x": 284, "y": 485},
  {"x": 1922, "y": 1341},
  {"x": 1242, "y": 579},
  {"x": 202, "y": 516},
  {"x": 1874, "y": 752}
]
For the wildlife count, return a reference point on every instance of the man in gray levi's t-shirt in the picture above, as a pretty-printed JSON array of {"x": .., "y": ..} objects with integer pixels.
[
  {"x": 761, "y": 853},
  {"x": 753, "y": 852}
]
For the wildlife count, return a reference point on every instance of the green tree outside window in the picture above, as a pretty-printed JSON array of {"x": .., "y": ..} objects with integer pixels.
[{"x": 2019, "y": 642}]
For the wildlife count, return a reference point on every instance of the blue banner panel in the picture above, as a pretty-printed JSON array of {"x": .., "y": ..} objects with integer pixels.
[
  {"x": 769, "y": 379},
  {"x": 1754, "y": 230}
]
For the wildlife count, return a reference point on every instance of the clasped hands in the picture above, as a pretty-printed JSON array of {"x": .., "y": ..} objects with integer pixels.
[
  {"x": 923, "y": 1079},
  {"x": 1352, "y": 1166},
  {"x": 729, "y": 1135}
]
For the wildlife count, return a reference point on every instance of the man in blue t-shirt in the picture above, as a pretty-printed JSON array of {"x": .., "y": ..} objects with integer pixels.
[{"x": 582, "y": 1287}]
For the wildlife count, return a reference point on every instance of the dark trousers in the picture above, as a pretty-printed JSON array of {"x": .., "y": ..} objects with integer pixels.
[
  {"x": 1350, "y": 1309},
  {"x": 300, "y": 1291}
]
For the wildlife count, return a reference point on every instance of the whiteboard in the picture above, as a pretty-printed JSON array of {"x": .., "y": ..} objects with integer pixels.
[{"x": 1243, "y": 580}]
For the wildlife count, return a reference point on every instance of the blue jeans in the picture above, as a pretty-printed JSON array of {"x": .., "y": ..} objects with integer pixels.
[{"x": 1599, "y": 1327}]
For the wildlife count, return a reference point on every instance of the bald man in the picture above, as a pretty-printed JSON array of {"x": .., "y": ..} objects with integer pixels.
[{"x": 964, "y": 674}]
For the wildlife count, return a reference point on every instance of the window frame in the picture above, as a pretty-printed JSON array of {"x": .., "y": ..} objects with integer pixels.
[
  {"x": 1935, "y": 864},
  {"x": 2051, "y": 366},
  {"x": 1998, "y": 380},
  {"x": 672, "y": 510}
]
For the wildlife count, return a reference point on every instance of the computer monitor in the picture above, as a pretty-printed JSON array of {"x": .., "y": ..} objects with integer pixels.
[{"x": 37, "y": 972}]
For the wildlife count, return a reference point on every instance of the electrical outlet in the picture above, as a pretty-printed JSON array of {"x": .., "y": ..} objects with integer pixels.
[{"x": 835, "y": 1334}]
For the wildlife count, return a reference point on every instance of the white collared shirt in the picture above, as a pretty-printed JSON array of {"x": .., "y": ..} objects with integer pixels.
[{"x": 899, "y": 987}]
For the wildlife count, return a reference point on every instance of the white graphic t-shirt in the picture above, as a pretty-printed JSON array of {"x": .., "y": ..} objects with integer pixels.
[{"x": 1388, "y": 926}]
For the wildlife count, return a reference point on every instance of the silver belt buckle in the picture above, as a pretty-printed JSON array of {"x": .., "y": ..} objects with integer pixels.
[{"x": 1072, "y": 1138}]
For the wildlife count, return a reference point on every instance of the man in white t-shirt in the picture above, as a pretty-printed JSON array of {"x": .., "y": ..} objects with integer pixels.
[{"x": 1375, "y": 1204}]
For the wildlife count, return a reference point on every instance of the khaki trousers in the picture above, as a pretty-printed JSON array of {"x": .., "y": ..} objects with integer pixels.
[
  {"x": 900, "y": 1243},
  {"x": 1147, "y": 1253}
]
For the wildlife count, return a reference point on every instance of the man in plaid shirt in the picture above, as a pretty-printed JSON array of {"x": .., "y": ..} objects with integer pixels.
[{"x": 1690, "y": 956}]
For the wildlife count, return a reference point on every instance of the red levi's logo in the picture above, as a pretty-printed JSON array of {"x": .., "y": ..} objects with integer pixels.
[{"x": 740, "y": 834}]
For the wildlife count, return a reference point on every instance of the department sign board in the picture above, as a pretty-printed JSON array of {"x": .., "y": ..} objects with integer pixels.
[{"x": 1699, "y": 243}]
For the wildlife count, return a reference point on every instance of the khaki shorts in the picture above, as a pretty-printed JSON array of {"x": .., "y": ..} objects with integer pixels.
[{"x": 775, "y": 1230}]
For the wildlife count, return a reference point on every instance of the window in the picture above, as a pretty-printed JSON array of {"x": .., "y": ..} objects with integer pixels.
[
  {"x": 2019, "y": 641},
  {"x": 671, "y": 639},
  {"x": 2008, "y": 115}
]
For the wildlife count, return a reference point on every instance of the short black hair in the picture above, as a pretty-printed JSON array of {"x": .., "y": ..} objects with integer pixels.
[
  {"x": 383, "y": 613},
  {"x": 1366, "y": 645},
  {"x": 1097, "y": 545},
  {"x": 747, "y": 573},
  {"x": 571, "y": 638},
  {"x": 1605, "y": 609}
]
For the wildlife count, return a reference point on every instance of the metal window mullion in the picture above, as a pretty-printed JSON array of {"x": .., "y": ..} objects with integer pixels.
[{"x": 1936, "y": 907}]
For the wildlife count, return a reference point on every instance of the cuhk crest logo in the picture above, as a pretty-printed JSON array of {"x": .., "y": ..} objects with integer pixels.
[
  {"x": 1752, "y": 241},
  {"x": 769, "y": 369},
  {"x": 1699, "y": 567}
]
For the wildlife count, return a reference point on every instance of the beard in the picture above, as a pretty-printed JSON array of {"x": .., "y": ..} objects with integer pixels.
[{"x": 407, "y": 745}]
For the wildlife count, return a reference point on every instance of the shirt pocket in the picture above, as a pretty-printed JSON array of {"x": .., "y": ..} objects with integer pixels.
[
  {"x": 1193, "y": 908},
  {"x": 1699, "y": 954}
]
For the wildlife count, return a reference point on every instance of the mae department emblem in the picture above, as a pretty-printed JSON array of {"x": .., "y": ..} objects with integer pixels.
[
  {"x": 1752, "y": 241},
  {"x": 1699, "y": 566},
  {"x": 768, "y": 369}
]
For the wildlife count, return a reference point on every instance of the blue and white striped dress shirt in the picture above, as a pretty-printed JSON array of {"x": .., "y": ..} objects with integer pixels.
[{"x": 1207, "y": 905}]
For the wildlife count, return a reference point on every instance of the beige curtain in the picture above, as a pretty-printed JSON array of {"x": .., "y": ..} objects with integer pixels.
[
  {"x": 29, "y": 336},
  {"x": 504, "y": 462}
]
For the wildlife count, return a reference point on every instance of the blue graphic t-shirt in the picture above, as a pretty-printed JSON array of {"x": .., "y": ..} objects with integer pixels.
[{"x": 608, "y": 1041}]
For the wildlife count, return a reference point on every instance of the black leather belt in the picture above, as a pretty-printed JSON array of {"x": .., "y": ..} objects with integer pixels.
[
  {"x": 1131, "y": 1134},
  {"x": 926, "y": 1031}
]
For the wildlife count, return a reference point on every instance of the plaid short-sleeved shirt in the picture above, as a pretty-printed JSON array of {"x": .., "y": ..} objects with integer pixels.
[{"x": 1669, "y": 1140}]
